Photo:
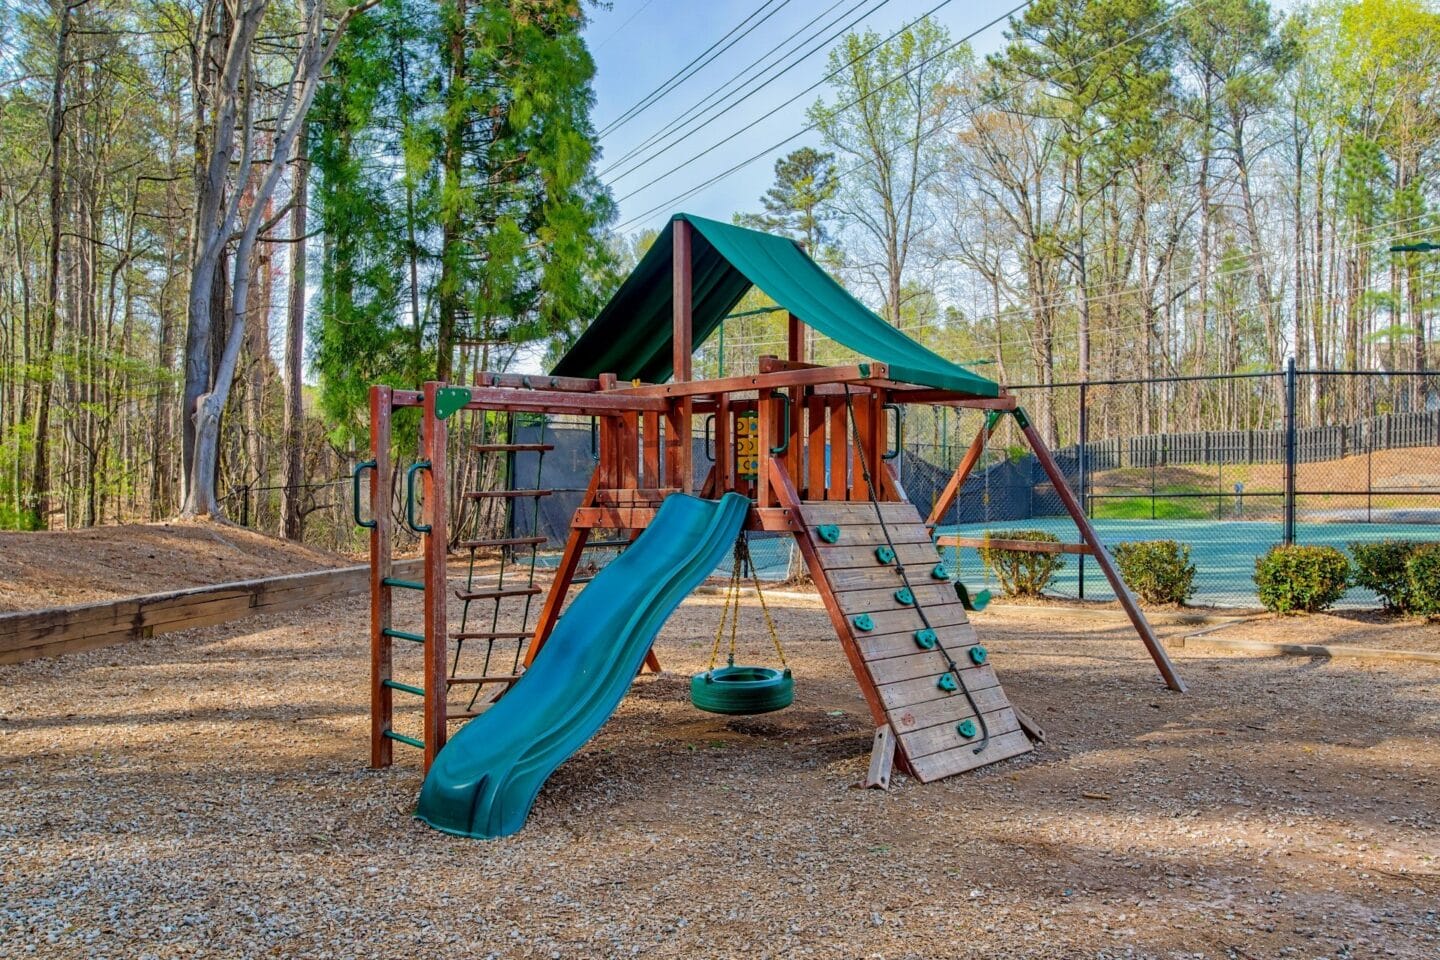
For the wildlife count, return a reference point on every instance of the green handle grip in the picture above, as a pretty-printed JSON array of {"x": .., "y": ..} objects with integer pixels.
[
  {"x": 360, "y": 468},
  {"x": 784, "y": 430},
  {"x": 710, "y": 438},
  {"x": 898, "y": 433},
  {"x": 415, "y": 468}
]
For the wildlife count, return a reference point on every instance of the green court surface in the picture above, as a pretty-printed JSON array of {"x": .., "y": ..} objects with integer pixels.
[{"x": 1223, "y": 551}]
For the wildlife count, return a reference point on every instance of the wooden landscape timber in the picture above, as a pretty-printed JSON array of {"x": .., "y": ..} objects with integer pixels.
[{"x": 31, "y": 634}]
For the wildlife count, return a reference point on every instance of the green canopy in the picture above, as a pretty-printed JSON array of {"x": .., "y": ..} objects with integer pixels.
[{"x": 632, "y": 335}]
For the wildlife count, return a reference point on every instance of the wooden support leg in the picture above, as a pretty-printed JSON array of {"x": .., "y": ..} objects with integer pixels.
[
  {"x": 436, "y": 546},
  {"x": 560, "y": 586},
  {"x": 381, "y": 696},
  {"x": 961, "y": 474},
  {"x": 1102, "y": 555}
]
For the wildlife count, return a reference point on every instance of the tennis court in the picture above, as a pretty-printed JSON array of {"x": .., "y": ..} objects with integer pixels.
[{"x": 1223, "y": 551}]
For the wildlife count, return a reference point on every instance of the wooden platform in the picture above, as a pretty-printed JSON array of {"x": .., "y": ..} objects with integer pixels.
[{"x": 898, "y": 674}]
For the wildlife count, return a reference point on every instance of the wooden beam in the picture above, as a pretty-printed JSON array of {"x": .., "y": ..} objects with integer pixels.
[
  {"x": 804, "y": 376},
  {"x": 679, "y": 449},
  {"x": 381, "y": 696},
  {"x": 1102, "y": 556},
  {"x": 1022, "y": 546},
  {"x": 962, "y": 473},
  {"x": 35, "y": 634},
  {"x": 435, "y": 544}
]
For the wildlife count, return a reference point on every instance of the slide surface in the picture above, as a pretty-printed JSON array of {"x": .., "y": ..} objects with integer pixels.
[{"x": 486, "y": 778}]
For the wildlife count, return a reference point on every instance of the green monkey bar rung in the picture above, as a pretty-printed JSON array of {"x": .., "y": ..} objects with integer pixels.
[
  {"x": 407, "y": 584},
  {"x": 408, "y": 688},
  {"x": 402, "y": 635},
  {"x": 417, "y": 744}
]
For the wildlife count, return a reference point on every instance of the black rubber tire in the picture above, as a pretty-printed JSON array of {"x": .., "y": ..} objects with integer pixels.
[{"x": 742, "y": 690}]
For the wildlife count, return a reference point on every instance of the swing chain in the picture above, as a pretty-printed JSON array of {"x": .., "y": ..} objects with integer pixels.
[{"x": 730, "y": 610}]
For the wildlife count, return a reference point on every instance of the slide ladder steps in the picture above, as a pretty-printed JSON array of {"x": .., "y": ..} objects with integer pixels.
[{"x": 907, "y": 671}]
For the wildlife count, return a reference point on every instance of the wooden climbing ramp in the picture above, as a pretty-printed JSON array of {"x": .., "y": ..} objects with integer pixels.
[{"x": 903, "y": 669}]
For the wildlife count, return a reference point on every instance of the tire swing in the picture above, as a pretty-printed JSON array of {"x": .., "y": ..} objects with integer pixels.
[{"x": 742, "y": 690}]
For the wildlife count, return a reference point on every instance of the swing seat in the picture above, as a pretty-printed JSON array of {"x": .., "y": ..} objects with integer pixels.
[
  {"x": 742, "y": 690},
  {"x": 974, "y": 604}
]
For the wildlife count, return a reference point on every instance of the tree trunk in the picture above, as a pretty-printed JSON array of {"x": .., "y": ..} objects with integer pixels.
[{"x": 293, "y": 518}]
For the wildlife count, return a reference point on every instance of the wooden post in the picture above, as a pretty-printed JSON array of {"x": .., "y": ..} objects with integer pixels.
[
  {"x": 678, "y": 461},
  {"x": 436, "y": 545},
  {"x": 796, "y": 338},
  {"x": 724, "y": 448},
  {"x": 381, "y": 696},
  {"x": 1102, "y": 556}
]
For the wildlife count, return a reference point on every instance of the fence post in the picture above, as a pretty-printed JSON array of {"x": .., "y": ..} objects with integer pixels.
[
  {"x": 1288, "y": 534},
  {"x": 1080, "y": 469}
]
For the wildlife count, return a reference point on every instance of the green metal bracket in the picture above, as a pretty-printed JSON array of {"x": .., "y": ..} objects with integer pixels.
[
  {"x": 1021, "y": 417},
  {"x": 978, "y": 654},
  {"x": 992, "y": 418},
  {"x": 946, "y": 683},
  {"x": 904, "y": 596},
  {"x": 863, "y": 622},
  {"x": 828, "y": 532},
  {"x": 864, "y": 369},
  {"x": 966, "y": 729},
  {"x": 450, "y": 399},
  {"x": 925, "y": 639},
  {"x": 884, "y": 554}
]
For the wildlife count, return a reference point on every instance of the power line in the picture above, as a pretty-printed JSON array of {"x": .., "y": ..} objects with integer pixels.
[
  {"x": 709, "y": 116},
  {"x": 799, "y": 133},
  {"x": 694, "y": 66},
  {"x": 616, "y": 32}
]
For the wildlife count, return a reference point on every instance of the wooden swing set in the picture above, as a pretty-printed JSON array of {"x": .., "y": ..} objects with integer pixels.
[{"x": 811, "y": 446}]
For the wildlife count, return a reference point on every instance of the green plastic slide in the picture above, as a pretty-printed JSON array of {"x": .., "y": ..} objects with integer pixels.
[{"x": 486, "y": 778}]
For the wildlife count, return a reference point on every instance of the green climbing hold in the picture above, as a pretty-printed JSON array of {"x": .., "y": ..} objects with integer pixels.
[
  {"x": 966, "y": 729},
  {"x": 884, "y": 554},
  {"x": 946, "y": 683},
  {"x": 903, "y": 595},
  {"x": 940, "y": 573},
  {"x": 863, "y": 622},
  {"x": 828, "y": 532},
  {"x": 978, "y": 654},
  {"x": 925, "y": 639}
]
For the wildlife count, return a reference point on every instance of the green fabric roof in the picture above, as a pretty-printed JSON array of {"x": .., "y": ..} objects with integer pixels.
[{"x": 631, "y": 336}]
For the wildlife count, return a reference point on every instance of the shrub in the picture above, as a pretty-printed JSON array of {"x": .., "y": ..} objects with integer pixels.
[
  {"x": 1159, "y": 571},
  {"x": 1423, "y": 573},
  {"x": 1381, "y": 567},
  {"x": 1306, "y": 579},
  {"x": 1020, "y": 572}
]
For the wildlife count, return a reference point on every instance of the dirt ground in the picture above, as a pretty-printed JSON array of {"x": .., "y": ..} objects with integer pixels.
[
  {"x": 206, "y": 794},
  {"x": 62, "y": 567}
]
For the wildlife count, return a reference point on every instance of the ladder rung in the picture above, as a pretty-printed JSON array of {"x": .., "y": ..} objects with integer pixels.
[
  {"x": 492, "y": 494},
  {"x": 417, "y": 744},
  {"x": 480, "y": 681},
  {"x": 582, "y": 579},
  {"x": 467, "y": 714},
  {"x": 497, "y": 593},
  {"x": 502, "y": 635},
  {"x": 407, "y": 584},
  {"x": 608, "y": 543},
  {"x": 402, "y": 635},
  {"x": 504, "y": 542},
  {"x": 513, "y": 447},
  {"x": 408, "y": 688}
]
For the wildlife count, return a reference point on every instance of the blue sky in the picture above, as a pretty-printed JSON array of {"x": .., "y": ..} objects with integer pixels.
[{"x": 639, "y": 44}]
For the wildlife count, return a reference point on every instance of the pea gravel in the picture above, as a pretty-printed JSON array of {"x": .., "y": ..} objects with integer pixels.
[{"x": 205, "y": 794}]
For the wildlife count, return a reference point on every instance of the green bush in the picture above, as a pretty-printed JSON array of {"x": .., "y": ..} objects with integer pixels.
[
  {"x": 1301, "y": 579},
  {"x": 1381, "y": 567},
  {"x": 1422, "y": 571},
  {"x": 1159, "y": 571},
  {"x": 1020, "y": 572}
]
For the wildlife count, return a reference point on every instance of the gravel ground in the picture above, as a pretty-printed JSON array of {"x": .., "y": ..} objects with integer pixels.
[{"x": 205, "y": 794}]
